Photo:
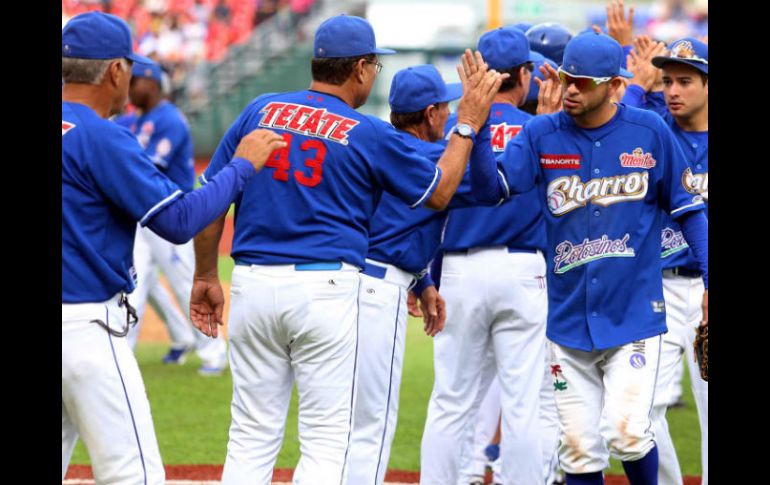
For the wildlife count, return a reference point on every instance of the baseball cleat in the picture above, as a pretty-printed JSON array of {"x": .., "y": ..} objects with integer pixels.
[{"x": 176, "y": 356}]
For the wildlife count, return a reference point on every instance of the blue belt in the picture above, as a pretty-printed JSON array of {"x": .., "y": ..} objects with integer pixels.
[
  {"x": 319, "y": 266},
  {"x": 374, "y": 271}
]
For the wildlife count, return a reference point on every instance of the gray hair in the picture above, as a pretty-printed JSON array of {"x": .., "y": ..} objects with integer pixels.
[{"x": 87, "y": 71}]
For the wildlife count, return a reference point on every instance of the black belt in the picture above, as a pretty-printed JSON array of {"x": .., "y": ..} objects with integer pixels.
[{"x": 686, "y": 272}]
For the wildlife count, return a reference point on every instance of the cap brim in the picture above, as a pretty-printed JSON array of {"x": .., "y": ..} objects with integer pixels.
[
  {"x": 535, "y": 57},
  {"x": 661, "y": 61},
  {"x": 626, "y": 74},
  {"x": 140, "y": 59},
  {"x": 383, "y": 52},
  {"x": 453, "y": 91}
]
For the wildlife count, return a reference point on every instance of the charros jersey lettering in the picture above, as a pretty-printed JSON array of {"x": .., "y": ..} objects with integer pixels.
[
  {"x": 566, "y": 194},
  {"x": 605, "y": 191},
  {"x": 307, "y": 120},
  {"x": 695, "y": 179}
]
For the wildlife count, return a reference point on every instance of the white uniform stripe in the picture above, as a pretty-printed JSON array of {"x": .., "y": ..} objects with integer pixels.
[
  {"x": 159, "y": 206},
  {"x": 435, "y": 177},
  {"x": 505, "y": 183},
  {"x": 687, "y": 207}
]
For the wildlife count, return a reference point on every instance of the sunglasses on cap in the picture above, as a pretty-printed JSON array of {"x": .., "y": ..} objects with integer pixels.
[{"x": 582, "y": 83}]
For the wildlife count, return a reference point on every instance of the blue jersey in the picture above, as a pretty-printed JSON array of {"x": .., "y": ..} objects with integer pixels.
[
  {"x": 603, "y": 190},
  {"x": 108, "y": 184},
  {"x": 409, "y": 239},
  {"x": 164, "y": 134},
  {"x": 313, "y": 199},
  {"x": 695, "y": 145},
  {"x": 518, "y": 222}
]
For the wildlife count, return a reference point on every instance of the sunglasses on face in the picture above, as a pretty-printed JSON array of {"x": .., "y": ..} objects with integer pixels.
[{"x": 582, "y": 83}]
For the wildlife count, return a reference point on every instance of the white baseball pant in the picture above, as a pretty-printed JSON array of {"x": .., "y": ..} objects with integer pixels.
[
  {"x": 381, "y": 341},
  {"x": 487, "y": 419},
  {"x": 103, "y": 398},
  {"x": 497, "y": 300},
  {"x": 290, "y": 326},
  {"x": 683, "y": 297},
  {"x": 151, "y": 253},
  {"x": 604, "y": 399}
]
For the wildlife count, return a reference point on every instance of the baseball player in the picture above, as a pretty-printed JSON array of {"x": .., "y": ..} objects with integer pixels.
[
  {"x": 301, "y": 236},
  {"x": 604, "y": 171},
  {"x": 108, "y": 185},
  {"x": 401, "y": 244},
  {"x": 493, "y": 281},
  {"x": 685, "y": 81},
  {"x": 164, "y": 134}
]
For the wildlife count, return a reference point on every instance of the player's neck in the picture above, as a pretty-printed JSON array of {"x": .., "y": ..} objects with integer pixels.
[
  {"x": 341, "y": 92},
  {"x": 90, "y": 95},
  {"x": 699, "y": 121},
  {"x": 512, "y": 97},
  {"x": 418, "y": 131},
  {"x": 598, "y": 117}
]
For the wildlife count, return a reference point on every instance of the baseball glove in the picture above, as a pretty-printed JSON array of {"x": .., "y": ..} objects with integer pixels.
[{"x": 701, "y": 345}]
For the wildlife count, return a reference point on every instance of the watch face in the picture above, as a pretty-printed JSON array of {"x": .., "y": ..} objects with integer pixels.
[{"x": 464, "y": 130}]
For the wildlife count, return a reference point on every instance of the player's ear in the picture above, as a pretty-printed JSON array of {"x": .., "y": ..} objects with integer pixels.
[
  {"x": 115, "y": 71},
  {"x": 358, "y": 70},
  {"x": 614, "y": 85}
]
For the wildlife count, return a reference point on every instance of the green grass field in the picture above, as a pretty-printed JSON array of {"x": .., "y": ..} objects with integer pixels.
[{"x": 192, "y": 413}]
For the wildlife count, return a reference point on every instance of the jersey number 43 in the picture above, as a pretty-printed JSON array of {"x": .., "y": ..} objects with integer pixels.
[{"x": 279, "y": 160}]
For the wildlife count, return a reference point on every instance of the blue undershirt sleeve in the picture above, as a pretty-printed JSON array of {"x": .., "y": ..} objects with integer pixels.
[
  {"x": 186, "y": 216},
  {"x": 486, "y": 183},
  {"x": 695, "y": 228},
  {"x": 422, "y": 284}
]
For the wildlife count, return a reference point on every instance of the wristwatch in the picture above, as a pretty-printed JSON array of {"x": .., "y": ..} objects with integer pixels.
[{"x": 465, "y": 131}]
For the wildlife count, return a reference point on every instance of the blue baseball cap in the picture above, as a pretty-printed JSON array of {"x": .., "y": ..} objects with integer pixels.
[
  {"x": 595, "y": 56},
  {"x": 504, "y": 48},
  {"x": 345, "y": 36},
  {"x": 415, "y": 88},
  {"x": 534, "y": 89},
  {"x": 97, "y": 35},
  {"x": 688, "y": 51},
  {"x": 152, "y": 71},
  {"x": 523, "y": 26}
]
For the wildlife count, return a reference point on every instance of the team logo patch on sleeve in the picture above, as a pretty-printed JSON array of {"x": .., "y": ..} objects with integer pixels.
[
  {"x": 307, "y": 120},
  {"x": 502, "y": 134},
  {"x": 696, "y": 183},
  {"x": 66, "y": 126},
  {"x": 564, "y": 162},
  {"x": 637, "y": 159}
]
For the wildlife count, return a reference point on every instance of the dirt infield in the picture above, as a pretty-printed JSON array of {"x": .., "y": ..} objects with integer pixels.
[{"x": 211, "y": 474}]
